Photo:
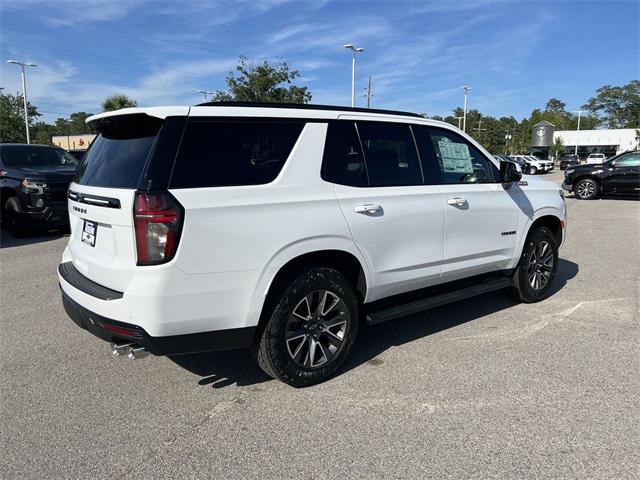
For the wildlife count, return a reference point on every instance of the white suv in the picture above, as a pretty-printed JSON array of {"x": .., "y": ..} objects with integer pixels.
[
  {"x": 283, "y": 228},
  {"x": 535, "y": 164}
]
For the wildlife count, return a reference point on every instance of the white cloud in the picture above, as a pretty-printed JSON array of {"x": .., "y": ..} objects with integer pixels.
[
  {"x": 56, "y": 91},
  {"x": 71, "y": 12}
]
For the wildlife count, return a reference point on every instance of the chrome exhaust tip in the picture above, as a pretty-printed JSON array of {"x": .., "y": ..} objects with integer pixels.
[
  {"x": 119, "y": 349},
  {"x": 137, "y": 352}
]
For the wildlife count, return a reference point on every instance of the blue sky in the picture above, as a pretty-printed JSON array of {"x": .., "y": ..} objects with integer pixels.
[{"x": 514, "y": 54}]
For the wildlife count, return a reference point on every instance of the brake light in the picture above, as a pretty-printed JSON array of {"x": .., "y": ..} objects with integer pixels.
[{"x": 157, "y": 219}]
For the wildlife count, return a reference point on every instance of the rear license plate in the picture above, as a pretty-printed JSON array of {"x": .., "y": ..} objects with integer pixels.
[{"x": 89, "y": 232}]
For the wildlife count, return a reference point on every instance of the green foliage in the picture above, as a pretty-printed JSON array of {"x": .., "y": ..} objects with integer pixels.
[
  {"x": 42, "y": 132},
  {"x": 617, "y": 107},
  {"x": 118, "y": 101},
  {"x": 490, "y": 132},
  {"x": 555, "y": 105},
  {"x": 557, "y": 149},
  {"x": 12, "y": 129},
  {"x": 263, "y": 83}
]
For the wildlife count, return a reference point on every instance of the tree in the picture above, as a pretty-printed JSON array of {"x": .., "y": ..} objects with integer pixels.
[
  {"x": 42, "y": 132},
  {"x": 118, "y": 101},
  {"x": 12, "y": 127},
  {"x": 555, "y": 105},
  {"x": 617, "y": 107},
  {"x": 78, "y": 125},
  {"x": 263, "y": 83},
  {"x": 557, "y": 148}
]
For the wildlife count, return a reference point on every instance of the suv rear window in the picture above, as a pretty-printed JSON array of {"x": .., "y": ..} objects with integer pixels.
[
  {"x": 218, "y": 153},
  {"x": 118, "y": 155}
]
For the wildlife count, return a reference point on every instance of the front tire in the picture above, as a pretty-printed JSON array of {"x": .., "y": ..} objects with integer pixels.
[
  {"x": 537, "y": 267},
  {"x": 533, "y": 170},
  {"x": 17, "y": 226},
  {"x": 311, "y": 328},
  {"x": 586, "y": 189}
]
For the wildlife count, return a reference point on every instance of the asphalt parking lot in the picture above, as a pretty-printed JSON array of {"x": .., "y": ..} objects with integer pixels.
[{"x": 480, "y": 389}]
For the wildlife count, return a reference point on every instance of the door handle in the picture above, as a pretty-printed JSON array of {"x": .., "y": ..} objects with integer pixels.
[
  {"x": 368, "y": 208},
  {"x": 457, "y": 201}
]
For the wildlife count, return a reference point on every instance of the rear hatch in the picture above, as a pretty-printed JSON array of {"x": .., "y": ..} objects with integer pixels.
[{"x": 101, "y": 198}]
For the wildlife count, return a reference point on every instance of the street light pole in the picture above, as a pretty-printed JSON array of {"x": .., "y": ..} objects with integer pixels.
[
  {"x": 369, "y": 94},
  {"x": 355, "y": 50},
  {"x": 464, "y": 118},
  {"x": 579, "y": 112},
  {"x": 24, "y": 93},
  {"x": 205, "y": 93}
]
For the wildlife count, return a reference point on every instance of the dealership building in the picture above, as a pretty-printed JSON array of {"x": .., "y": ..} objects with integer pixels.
[
  {"x": 610, "y": 142},
  {"x": 73, "y": 142}
]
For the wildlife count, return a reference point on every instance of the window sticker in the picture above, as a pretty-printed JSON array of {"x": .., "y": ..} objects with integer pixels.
[{"x": 456, "y": 157}]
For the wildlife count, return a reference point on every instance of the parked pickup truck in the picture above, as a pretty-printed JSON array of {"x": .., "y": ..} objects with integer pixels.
[{"x": 33, "y": 185}]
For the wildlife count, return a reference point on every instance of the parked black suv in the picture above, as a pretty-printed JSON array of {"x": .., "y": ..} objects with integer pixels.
[
  {"x": 620, "y": 175},
  {"x": 569, "y": 161},
  {"x": 34, "y": 180}
]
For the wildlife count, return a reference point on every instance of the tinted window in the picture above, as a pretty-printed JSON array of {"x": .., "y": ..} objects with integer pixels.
[
  {"x": 631, "y": 160},
  {"x": 36, "y": 157},
  {"x": 427, "y": 154},
  {"x": 458, "y": 160},
  {"x": 390, "y": 154},
  {"x": 216, "y": 153},
  {"x": 344, "y": 162},
  {"x": 116, "y": 158}
]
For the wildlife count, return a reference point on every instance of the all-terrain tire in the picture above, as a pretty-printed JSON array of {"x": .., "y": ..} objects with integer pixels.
[
  {"x": 537, "y": 268},
  {"x": 276, "y": 348}
]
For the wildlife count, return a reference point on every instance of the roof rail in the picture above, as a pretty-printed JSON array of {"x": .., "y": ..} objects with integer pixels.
[{"x": 306, "y": 106}]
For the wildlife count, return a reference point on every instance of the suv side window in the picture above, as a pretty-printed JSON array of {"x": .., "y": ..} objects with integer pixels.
[
  {"x": 457, "y": 160},
  {"x": 390, "y": 154},
  {"x": 630, "y": 160},
  {"x": 343, "y": 160},
  {"x": 217, "y": 153}
]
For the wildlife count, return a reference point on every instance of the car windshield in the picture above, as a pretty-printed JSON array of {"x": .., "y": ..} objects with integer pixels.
[{"x": 36, "y": 156}]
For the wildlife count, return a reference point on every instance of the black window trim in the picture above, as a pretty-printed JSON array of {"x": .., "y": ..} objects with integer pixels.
[{"x": 364, "y": 156}]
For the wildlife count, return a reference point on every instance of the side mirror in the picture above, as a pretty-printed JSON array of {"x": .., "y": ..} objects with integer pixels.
[{"x": 510, "y": 172}]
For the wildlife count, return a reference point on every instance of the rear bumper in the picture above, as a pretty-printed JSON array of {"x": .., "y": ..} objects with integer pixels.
[{"x": 114, "y": 331}]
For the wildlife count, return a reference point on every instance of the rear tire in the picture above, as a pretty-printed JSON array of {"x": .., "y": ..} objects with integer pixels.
[
  {"x": 586, "y": 189},
  {"x": 311, "y": 327},
  {"x": 536, "y": 270}
]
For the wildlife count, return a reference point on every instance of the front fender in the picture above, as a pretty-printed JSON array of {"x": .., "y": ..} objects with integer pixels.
[{"x": 559, "y": 213}]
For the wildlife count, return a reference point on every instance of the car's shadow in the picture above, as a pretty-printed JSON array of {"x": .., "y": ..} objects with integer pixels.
[
  {"x": 221, "y": 369},
  {"x": 39, "y": 236}
]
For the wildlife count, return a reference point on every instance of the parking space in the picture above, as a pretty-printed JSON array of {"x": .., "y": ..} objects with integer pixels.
[{"x": 478, "y": 389}]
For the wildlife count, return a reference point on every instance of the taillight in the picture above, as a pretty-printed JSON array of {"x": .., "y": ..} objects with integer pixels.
[{"x": 157, "y": 218}]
